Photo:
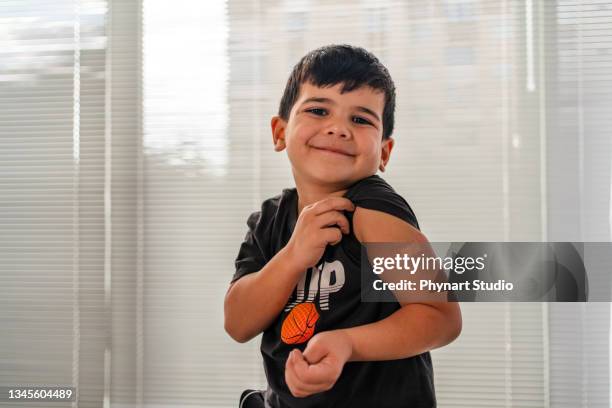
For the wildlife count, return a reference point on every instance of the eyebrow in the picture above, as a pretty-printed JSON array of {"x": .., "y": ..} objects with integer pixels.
[{"x": 331, "y": 101}]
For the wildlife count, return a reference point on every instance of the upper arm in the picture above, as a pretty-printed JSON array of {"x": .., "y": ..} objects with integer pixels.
[
  {"x": 372, "y": 226},
  {"x": 377, "y": 226}
]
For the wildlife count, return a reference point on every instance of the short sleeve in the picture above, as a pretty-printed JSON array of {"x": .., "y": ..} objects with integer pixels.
[
  {"x": 374, "y": 193},
  {"x": 250, "y": 256}
]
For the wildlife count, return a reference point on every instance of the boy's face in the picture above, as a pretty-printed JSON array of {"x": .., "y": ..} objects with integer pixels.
[{"x": 333, "y": 138}]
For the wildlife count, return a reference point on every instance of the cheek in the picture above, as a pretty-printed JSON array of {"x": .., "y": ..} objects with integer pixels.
[
  {"x": 296, "y": 142},
  {"x": 298, "y": 136},
  {"x": 369, "y": 146}
]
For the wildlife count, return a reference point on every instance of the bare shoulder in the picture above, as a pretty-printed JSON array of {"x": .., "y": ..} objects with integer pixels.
[{"x": 377, "y": 226}]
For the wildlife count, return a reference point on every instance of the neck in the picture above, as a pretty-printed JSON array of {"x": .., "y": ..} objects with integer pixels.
[{"x": 310, "y": 193}]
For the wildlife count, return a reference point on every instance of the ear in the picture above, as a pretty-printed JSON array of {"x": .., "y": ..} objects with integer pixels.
[
  {"x": 278, "y": 125},
  {"x": 385, "y": 152}
]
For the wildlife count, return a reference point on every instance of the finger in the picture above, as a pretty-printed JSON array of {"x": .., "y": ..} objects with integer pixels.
[
  {"x": 319, "y": 375},
  {"x": 293, "y": 383},
  {"x": 332, "y": 235},
  {"x": 333, "y": 218},
  {"x": 298, "y": 387},
  {"x": 314, "y": 353},
  {"x": 333, "y": 203}
]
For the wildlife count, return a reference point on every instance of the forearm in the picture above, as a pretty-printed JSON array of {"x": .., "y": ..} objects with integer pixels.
[
  {"x": 252, "y": 302},
  {"x": 411, "y": 330}
]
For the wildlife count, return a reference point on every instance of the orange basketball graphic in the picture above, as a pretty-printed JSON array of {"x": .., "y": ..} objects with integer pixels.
[{"x": 299, "y": 324}]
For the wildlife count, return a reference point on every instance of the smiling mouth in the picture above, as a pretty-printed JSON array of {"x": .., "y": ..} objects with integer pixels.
[{"x": 333, "y": 151}]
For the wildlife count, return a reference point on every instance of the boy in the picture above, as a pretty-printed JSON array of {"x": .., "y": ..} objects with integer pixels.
[{"x": 297, "y": 276}]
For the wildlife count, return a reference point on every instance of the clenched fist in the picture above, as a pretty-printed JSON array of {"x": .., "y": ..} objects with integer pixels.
[{"x": 318, "y": 368}]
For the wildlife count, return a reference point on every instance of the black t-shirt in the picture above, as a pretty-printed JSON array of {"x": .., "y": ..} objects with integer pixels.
[{"x": 328, "y": 297}]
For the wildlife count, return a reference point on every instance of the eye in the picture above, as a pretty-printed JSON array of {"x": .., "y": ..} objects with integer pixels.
[
  {"x": 317, "y": 111},
  {"x": 361, "y": 121}
]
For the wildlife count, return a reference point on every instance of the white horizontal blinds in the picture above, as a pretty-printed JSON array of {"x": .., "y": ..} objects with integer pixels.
[
  {"x": 123, "y": 272},
  {"x": 281, "y": 29},
  {"x": 579, "y": 193},
  {"x": 252, "y": 175},
  {"x": 51, "y": 91},
  {"x": 579, "y": 164},
  {"x": 466, "y": 166},
  {"x": 456, "y": 82},
  {"x": 198, "y": 187},
  {"x": 580, "y": 167},
  {"x": 458, "y": 69},
  {"x": 88, "y": 205},
  {"x": 497, "y": 361},
  {"x": 172, "y": 135},
  {"x": 580, "y": 355},
  {"x": 474, "y": 371}
]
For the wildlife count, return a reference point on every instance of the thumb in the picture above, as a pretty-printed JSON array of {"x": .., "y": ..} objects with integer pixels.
[{"x": 314, "y": 352}]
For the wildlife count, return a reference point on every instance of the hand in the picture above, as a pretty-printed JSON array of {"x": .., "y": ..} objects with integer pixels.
[
  {"x": 318, "y": 225},
  {"x": 318, "y": 368}
]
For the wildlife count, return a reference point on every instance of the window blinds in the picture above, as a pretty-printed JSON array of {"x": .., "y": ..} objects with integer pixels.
[
  {"x": 52, "y": 74},
  {"x": 135, "y": 143},
  {"x": 579, "y": 191}
]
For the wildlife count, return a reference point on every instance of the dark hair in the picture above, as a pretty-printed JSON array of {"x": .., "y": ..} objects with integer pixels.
[{"x": 351, "y": 66}]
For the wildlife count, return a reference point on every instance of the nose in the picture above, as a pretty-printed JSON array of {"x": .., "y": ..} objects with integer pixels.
[{"x": 338, "y": 129}]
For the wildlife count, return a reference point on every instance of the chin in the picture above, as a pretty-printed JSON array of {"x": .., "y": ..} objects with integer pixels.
[{"x": 335, "y": 177}]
